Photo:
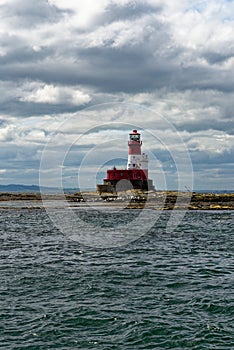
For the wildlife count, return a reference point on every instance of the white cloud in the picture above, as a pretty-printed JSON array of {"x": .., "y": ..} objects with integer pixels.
[
  {"x": 84, "y": 12},
  {"x": 7, "y": 133},
  {"x": 56, "y": 95},
  {"x": 207, "y": 29},
  {"x": 212, "y": 142}
]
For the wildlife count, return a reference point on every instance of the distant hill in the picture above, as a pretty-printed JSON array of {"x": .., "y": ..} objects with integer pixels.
[
  {"x": 19, "y": 188},
  {"x": 33, "y": 189},
  {"x": 214, "y": 191}
]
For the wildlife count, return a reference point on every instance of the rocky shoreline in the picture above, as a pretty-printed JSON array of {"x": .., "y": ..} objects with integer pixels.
[{"x": 158, "y": 200}]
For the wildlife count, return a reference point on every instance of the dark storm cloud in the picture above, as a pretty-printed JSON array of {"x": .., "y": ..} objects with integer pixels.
[
  {"x": 26, "y": 109},
  {"x": 204, "y": 160},
  {"x": 120, "y": 12},
  {"x": 217, "y": 58},
  {"x": 114, "y": 70},
  {"x": 28, "y": 14},
  {"x": 125, "y": 70},
  {"x": 22, "y": 55},
  {"x": 195, "y": 126}
]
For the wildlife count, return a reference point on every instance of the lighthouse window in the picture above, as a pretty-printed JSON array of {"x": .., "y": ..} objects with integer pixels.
[
  {"x": 134, "y": 165},
  {"x": 121, "y": 174},
  {"x": 135, "y": 137}
]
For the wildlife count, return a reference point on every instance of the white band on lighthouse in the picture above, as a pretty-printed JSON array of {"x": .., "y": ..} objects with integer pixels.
[{"x": 137, "y": 161}]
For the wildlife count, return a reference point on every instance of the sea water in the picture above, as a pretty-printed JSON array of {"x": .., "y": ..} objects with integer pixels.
[{"x": 164, "y": 290}]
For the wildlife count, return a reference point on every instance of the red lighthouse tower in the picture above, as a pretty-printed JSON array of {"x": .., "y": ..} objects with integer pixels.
[{"x": 136, "y": 174}]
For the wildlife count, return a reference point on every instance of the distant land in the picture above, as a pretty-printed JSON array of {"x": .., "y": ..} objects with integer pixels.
[{"x": 12, "y": 188}]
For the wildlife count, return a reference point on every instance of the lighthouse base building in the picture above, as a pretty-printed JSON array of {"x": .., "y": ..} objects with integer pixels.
[{"x": 136, "y": 174}]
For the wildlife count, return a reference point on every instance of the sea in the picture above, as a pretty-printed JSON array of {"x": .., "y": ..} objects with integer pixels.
[{"x": 162, "y": 289}]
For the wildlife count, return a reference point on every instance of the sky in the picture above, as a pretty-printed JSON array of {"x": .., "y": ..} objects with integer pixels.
[{"x": 77, "y": 76}]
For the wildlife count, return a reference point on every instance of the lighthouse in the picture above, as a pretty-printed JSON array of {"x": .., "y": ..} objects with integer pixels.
[
  {"x": 136, "y": 160},
  {"x": 135, "y": 175}
]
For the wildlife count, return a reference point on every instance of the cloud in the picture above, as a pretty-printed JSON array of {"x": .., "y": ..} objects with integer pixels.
[
  {"x": 59, "y": 57},
  {"x": 24, "y": 14},
  {"x": 56, "y": 95},
  {"x": 83, "y": 13}
]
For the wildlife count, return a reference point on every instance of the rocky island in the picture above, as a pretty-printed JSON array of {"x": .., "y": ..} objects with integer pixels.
[{"x": 158, "y": 200}]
